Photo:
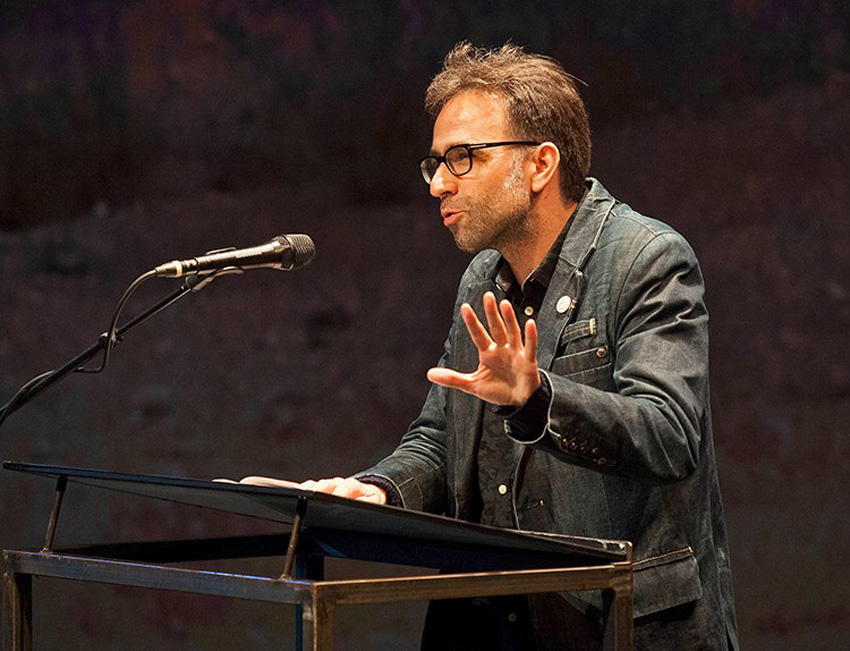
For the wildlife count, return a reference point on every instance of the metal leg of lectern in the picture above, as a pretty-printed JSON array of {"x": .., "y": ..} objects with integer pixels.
[
  {"x": 17, "y": 611},
  {"x": 617, "y": 622},
  {"x": 307, "y": 566},
  {"x": 318, "y": 623},
  {"x": 61, "y": 485}
]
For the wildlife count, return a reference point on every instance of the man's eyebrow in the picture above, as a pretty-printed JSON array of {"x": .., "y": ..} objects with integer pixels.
[{"x": 434, "y": 152}]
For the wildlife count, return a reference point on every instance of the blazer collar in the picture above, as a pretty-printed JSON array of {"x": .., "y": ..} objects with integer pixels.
[{"x": 592, "y": 213}]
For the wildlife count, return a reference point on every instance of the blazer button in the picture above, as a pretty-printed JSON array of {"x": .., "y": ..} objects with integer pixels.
[{"x": 601, "y": 351}]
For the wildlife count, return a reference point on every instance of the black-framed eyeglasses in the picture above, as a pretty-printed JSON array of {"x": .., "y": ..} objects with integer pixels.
[{"x": 458, "y": 158}]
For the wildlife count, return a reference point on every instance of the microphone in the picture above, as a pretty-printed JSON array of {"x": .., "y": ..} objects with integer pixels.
[{"x": 284, "y": 252}]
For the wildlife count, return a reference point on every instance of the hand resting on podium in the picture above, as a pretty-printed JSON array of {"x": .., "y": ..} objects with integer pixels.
[{"x": 339, "y": 486}]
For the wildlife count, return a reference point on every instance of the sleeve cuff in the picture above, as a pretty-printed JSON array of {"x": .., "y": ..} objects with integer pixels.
[
  {"x": 393, "y": 496},
  {"x": 527, "y": 423}
]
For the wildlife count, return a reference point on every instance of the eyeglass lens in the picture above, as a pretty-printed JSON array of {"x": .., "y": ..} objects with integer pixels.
[{"x": 458, "y": 159}]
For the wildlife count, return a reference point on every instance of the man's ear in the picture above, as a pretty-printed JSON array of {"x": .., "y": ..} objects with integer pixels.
[{"x": 546, "y": 160}]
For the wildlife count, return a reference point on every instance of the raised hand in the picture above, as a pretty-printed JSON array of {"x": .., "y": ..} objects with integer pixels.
[{"x": 507, "y": 372}]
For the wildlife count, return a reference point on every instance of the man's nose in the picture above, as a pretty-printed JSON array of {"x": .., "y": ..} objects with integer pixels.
[{"x": 443, "y": 182}]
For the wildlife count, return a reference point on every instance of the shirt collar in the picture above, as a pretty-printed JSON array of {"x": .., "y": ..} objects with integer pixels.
[{"x": 505, "y": 279}]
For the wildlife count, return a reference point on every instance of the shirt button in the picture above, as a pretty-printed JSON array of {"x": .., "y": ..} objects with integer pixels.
[
  {"x": 502, "y": 489},
  {"x": 528, "y": 311},
  {"x": 512, "y": 617}
]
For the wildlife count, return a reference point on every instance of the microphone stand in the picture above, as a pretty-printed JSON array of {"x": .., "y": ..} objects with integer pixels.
[{"x": 192, "y": 284}]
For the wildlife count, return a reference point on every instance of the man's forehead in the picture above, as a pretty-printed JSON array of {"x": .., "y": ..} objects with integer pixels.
[{"x": 470, "y": 116}]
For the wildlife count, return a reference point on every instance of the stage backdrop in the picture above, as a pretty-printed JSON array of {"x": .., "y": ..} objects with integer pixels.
[{"x": 137, "y": 132}]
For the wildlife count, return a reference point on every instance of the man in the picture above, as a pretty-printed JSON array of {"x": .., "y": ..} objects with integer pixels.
[{"x": 581, "y": 407}]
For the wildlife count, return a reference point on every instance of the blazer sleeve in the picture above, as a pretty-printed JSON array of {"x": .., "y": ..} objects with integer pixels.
[{"x": 652, "y": 426}]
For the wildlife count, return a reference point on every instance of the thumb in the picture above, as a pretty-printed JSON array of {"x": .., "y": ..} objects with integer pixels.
[{"x": 448, "y": 378}]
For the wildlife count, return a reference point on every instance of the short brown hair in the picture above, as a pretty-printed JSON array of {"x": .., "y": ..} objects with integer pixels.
[{"x": 542, "y": 101}]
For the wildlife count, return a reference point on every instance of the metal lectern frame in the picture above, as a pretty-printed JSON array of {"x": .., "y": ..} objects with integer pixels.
[{"x": 543, "y": 564}]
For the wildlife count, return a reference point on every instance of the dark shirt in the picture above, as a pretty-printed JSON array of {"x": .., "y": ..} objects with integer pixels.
[{"x": 497, "y": 454}]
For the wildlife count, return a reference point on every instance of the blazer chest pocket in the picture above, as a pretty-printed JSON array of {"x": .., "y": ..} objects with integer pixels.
[{"x": 583, "y": 352}]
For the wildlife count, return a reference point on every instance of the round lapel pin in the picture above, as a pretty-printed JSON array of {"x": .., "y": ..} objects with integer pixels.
[{"x": 563, "y": 304}]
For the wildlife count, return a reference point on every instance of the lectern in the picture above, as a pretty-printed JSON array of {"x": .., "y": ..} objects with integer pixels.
[{"x": 474, "y": 560}]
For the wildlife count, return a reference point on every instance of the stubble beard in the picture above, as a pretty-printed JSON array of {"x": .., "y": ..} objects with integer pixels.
[{"x": 499, "y": 222}]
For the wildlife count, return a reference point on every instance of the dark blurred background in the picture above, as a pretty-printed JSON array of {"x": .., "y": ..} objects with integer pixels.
[{"x": 136, "y": 132}]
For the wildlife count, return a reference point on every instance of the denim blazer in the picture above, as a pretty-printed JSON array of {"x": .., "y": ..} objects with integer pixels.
[{"x": 627, "y": 451}]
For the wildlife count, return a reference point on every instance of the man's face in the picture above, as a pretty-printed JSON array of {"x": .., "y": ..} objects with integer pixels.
[{"x": 488, "y": 207}]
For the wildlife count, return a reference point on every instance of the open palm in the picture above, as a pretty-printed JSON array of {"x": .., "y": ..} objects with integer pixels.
[{"x": 507, "y": 372}]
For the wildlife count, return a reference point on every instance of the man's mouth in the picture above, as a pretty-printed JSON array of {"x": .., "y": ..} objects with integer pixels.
[{"x": 450, "y": 216}]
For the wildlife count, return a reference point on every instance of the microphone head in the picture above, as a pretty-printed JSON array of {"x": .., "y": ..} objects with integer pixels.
[{"x": 298, "y": 252}]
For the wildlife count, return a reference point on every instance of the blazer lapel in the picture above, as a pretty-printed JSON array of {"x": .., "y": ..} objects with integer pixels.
[
  {"x": 565, "y": 290},
  {"x": 568, "y": 282}
]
